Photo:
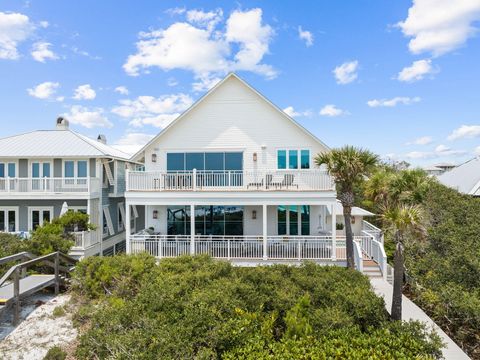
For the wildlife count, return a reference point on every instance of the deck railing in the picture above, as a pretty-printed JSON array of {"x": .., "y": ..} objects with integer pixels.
[
  {"x": 243, "y": 180},
  {"x": 372, "y": 230},
  {"x": 85, "y": 239},
  {"x": 49, "y": 185},
  {"x": 241, "y": 247},
  {"x": 373, "y": 248}
]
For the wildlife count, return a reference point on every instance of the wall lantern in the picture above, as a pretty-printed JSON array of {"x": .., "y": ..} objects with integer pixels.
[
  {"x": 154, "y": 158},
  {"x": 254, "y": 156},
  {"x": 353, "y": 219},
  {"x": 254, "y": 214},
  {"x": 155, "y": 214}
]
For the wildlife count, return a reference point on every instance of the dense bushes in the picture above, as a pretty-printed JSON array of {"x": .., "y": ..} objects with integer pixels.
[
  {"x": 445, "y": 269},
  {"x": 188, "y": 308}
]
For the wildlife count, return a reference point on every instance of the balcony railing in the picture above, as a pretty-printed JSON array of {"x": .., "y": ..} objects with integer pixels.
[
  {"x": 242, "y": 247},
  {"x": 85, "y": 239},
  {"x": 243, "y": 180},
  {"x": 49, "y": 185}
]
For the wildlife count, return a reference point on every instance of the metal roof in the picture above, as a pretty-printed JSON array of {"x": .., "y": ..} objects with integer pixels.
[
  {"x": 56, "y": 143},
  {"x": 465, "y": 177},
  {"x": 356, "y": 211}
]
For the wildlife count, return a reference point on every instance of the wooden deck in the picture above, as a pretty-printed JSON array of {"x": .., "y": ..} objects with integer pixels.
[{"x": 28, "y": 286}]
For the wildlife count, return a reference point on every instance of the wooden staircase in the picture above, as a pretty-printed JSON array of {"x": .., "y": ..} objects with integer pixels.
[{"x": 371, "y": 268}]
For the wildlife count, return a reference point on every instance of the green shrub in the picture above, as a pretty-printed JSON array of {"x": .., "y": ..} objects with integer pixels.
[
  {"x": 198, "y": 308},
  {"x": 55, "y": 353},
  {"x": 59, "y": 311}
]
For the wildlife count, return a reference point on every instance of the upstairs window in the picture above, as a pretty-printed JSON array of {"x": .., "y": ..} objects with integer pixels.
[
  {"x": 208, "y": 161},
  {"x": 293, "y": 159}
]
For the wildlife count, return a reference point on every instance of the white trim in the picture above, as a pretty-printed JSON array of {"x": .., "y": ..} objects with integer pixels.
[
  {"x": 41, "y": 209},
  {"x": 7, "y": 209},
  {"x": 211, "y": 91}
]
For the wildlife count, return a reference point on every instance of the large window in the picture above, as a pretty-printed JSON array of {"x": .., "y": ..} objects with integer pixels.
[
  {"x": 39, "y": 216},
  {"x": 293, "y": 159},
  {"x": 8, "y": 219},
  {"x": 209, "y": 161},
  {"x": 75, "y": 168},
  {"x": 209, "y": 220},
  {"x": 287, "y": 220},
  {"x": 8, "y": 169}
]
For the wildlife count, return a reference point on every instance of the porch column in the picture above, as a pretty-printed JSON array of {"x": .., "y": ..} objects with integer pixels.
[
  {"x": 192, "y": 229},
  {"x": 334, "y": 231},
  {"x": 127, "y": 226},
  {"x": 264, "y": 219},
  {"x": 299, "y": 219}
]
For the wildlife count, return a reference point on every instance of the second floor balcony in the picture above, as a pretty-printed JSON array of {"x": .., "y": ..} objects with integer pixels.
[
  {"x": 235, "y": 180},
  {"x": 49, "y": 185}
]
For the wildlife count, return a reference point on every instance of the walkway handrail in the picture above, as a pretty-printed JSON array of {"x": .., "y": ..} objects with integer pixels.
[{"x": 358, "y": 256}]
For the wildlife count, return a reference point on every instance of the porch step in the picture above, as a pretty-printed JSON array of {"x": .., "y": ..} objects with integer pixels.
[{"x": 371, "y": 269}]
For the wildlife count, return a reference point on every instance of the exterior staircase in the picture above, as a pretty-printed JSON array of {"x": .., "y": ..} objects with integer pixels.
[{"x": 371, "y": 268}]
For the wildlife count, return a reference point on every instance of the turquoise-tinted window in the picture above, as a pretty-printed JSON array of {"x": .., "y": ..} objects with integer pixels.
[
  {"x": 305, "y": 159},
  {"x": 293, "y": 159},
  {"x": 194, "y": 161},
  {"x": 69, "y": 168},
  {"x": 82, "y": 169},
  {"x": 35, "y": 170},
  {"x": 11, "y": 169},
  {"x": 46, "y": 169},
  {"x": 214, "y": 161},
  {"x": 281, "y": 159},
  {"x": 175, "y": 161},
  {"x": 2, "y": 170},
  {"x": 233, "y": 161}
]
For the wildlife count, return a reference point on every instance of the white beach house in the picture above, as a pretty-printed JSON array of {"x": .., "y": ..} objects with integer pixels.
[
  {"x": 234, "y": 177},
  {"x": 45, "y": 171}
]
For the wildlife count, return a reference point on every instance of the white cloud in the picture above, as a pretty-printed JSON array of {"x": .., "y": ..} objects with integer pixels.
[
  {"x": 148, "y": 110},
  {"x": 121, "y": 90},
  {"x": 393, "y": 102},
  {"x": 14, "y": 29},
  {"x": 416, "y": 71},
  {"x": 206, "y": 50},
  {"x": 84, "y": 92},
  {"x": 205, "y": 19},
  {"x": 305, "y": 35},
  {"x": 290, "y": 111},
  {"x": 44, "y": 24},
  {"x": 346, "y": 73},
  {"x": 465, "y": 131},
  {"x": 331, "y": 110},
  {"x": 424, "y": 140},
  {"x": 439, "y": 151},
  {"x": 205, "y": 83},
  {"x": 45, "y": 91},
  {"x": 130, "y": 143},
  {"x": 172, "y": 82},
  {"x": 41, "y": 52},
  {"x": 440, "y": 26},
  {"x": 477, "y": 151},
  {"x": 89, "y": 118}
]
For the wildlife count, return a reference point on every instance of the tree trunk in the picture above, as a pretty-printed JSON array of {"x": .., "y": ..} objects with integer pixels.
[
  {"x": 397, "y": 282},
  {"x": 347, "y": 215}
]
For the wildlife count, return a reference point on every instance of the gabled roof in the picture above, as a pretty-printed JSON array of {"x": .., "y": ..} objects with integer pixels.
[
  {"x": 137, "y": 156},
  {"x": 56, "y": 143},
  {"x": 465, "y": 177}
]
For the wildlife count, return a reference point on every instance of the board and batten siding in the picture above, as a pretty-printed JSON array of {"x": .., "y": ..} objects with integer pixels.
[{"x": 233, "y": 118}]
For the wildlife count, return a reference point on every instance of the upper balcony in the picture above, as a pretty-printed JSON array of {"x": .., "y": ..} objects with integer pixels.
[
  {"x": 36, "y": 187},
  {"x": 235, "y": 180}
]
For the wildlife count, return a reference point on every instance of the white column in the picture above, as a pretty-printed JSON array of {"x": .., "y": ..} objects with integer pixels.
[
  {"x": 127, "y": 226},
  {"x": 192, "y": 229},
  {"x": 334, "y": 231},
  {"x": 299, "y": 219},
  {"x": 264, "y": 220}
]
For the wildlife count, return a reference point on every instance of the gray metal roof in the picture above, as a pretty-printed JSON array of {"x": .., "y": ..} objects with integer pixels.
[
  {"x": 465, "y": 177},
  {"x": 56, "y": 143},
  {"x": 356, "y": 211}
]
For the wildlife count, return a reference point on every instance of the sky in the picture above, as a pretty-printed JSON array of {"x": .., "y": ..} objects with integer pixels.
[{"x": 400, "y": 78}]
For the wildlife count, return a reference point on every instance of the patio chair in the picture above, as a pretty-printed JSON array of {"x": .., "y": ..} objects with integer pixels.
[
  {"x": 286, "y": 182},
  {"x": 255, "y": 184}
]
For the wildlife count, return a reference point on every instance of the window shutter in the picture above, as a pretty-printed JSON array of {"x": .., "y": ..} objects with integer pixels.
[
  {"x": 106, "y": 212},
  {"x": 122, "y": 211},
  {"x": 108, "y": 171},
  {"x": 135, "y": 211}
]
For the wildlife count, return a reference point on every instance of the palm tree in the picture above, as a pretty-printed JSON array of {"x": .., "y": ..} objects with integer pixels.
[
  {"x": 348, "y": 166},
  {"x": 402, "y": 221}
]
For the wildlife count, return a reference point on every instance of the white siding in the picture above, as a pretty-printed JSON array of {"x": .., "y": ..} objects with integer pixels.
[{"x": 233, "y": 117}]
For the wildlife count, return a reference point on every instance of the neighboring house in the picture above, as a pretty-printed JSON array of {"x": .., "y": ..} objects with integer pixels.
[
  {"x": 235, "y": 177},
  {"x": 433, "y": 170},
  {"x": 464, "y": 178},
  {"x": 41, "y": 171}
]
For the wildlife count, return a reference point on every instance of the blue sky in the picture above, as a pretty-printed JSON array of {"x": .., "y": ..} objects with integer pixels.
[{"x": 398, "y": 77}]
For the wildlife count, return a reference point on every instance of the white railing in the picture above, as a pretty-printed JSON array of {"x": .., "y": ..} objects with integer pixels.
[
  {"x": 358, "y": 256},
  {"x": 85, "y": 239},
  {"x": 241, "y": 247},
  {"x": 374, "y": 250},
  {"x": 389, "y": 274},
  {"x": 372, "y": 230},
  {"x": 49, "y": 185},
  {"x": 244, "y": 180}
]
